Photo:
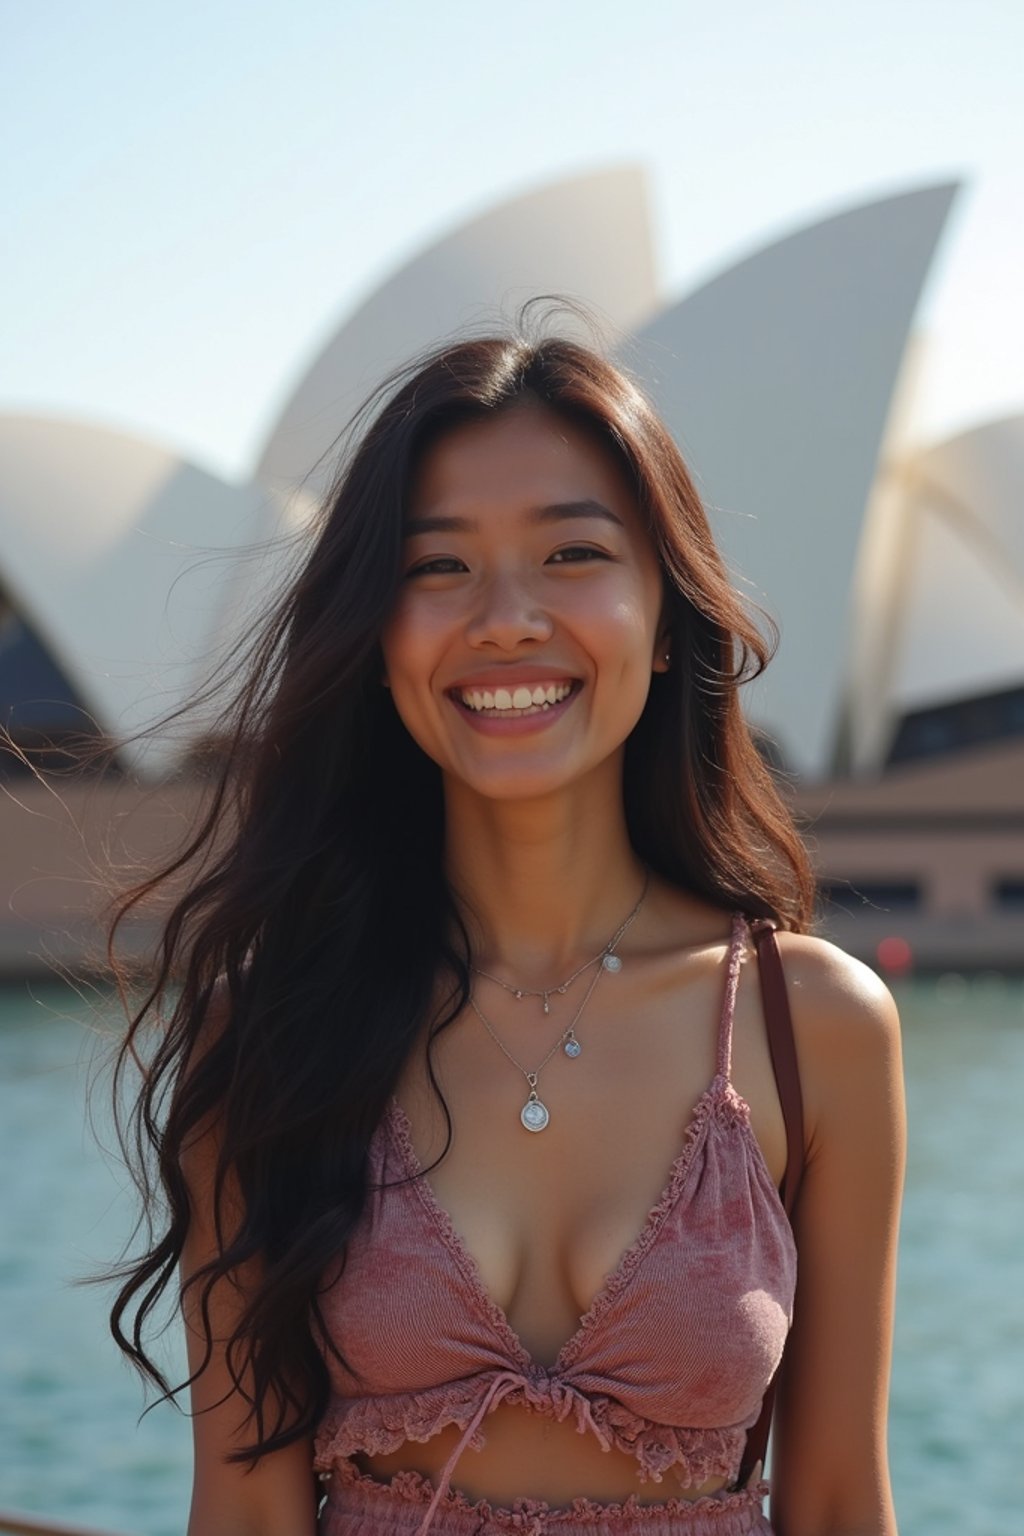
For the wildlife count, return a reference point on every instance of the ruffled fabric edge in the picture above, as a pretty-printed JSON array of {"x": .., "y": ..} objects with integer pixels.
[
  {"x": 382, "y": 1424},
  {"x": 417, "y": 1488},
  {"x": 693, "y": 1455},
  {"x": 379, "y": 1425}
]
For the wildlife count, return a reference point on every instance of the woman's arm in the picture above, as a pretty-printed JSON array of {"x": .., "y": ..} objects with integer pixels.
[
  {"x": 277, "y": 1496},
  {"x": 830, "y": 1473}
]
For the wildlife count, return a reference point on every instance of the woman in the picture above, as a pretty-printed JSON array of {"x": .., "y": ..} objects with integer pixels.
[{"x": 473, "y": 1138}]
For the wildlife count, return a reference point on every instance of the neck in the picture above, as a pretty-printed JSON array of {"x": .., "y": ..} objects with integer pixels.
[{"x": 543, "y": 884}]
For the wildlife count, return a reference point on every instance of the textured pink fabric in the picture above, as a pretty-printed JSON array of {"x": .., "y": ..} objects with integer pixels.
[
  {"x": 669, "y": 1363},
  {"x": 360, "y": 1505}
]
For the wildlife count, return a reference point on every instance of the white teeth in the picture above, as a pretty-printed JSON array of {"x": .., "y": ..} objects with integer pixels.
[{"x": 519, "y": 699}]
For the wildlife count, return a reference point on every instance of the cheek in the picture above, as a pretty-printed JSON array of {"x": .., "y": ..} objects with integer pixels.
[
  {"x": 406, "y": 637},
  {"x": 627, "y": 632},
  {"x": 412, "y": 644}
]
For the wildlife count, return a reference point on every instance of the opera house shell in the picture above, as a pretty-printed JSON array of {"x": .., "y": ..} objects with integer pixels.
[{"x": 895, "y": 704}]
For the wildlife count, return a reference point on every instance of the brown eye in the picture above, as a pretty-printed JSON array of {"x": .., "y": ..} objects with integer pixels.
[
  {"x": 442, "y": 566},
  {"x": 572, "y": 554}
]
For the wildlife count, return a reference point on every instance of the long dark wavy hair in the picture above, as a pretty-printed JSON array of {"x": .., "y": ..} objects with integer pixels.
[{"x": 320, "y": 838}]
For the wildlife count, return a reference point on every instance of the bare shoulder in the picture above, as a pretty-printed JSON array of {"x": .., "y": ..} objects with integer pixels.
[
  {"x": 845, "y": 1020},
  {"x": 829, "y": 1462},
  {"x": 836, "y": 1000}
]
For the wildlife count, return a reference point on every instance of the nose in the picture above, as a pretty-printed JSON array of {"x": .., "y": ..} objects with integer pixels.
[{"x": 507, "y": 614}]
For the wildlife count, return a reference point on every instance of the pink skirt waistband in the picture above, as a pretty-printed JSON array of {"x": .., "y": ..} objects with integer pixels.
[{"x": 360, "y": 1505}]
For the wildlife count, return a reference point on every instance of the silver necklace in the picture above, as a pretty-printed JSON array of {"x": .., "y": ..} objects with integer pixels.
[
  {"x": 609, "y": 962},
  {"x": 534, "y": 1114}
]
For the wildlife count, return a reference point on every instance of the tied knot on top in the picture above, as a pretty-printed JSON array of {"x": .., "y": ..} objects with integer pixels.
[{"x": 542, "y": 1391}]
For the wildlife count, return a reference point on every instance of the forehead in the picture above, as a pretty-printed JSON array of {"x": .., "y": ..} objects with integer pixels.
[{"x": 525, "y": 456}]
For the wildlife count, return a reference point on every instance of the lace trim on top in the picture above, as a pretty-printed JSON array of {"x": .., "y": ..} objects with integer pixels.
[
  {"x": 377, "y": 1426},
  {"x": 416, "y": 1488}
]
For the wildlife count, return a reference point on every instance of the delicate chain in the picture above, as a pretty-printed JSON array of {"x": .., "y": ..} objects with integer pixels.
[
  {"x": 531, "y": 1077},
  {"x": 535, "y": 1115},
  {"x": 546, "y": 992}
]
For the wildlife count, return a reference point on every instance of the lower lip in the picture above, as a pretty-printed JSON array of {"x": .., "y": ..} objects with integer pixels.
[{"x": 490, "y": 724}]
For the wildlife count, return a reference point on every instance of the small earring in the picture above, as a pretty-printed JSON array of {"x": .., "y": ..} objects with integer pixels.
[{"x": 668, "y": 658}]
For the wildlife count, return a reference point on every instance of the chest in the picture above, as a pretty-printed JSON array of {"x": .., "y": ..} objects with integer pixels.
[
  {"x": 544, "y": 1219},
  {"x": 688, "y": 1323}
]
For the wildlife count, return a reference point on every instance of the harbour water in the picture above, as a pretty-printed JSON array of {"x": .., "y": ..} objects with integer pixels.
[{"x": 72, "y": 1445}]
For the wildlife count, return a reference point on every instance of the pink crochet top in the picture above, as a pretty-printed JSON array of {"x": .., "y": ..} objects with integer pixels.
[{"x": 670, "y": 1361}]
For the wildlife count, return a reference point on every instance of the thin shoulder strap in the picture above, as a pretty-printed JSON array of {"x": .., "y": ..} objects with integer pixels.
[
  {"x": 782, "y": 1047},
  {"x": 732, "y": 978}
]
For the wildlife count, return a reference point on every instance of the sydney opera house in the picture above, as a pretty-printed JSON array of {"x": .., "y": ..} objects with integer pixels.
[{"x": 894, "y": 569}]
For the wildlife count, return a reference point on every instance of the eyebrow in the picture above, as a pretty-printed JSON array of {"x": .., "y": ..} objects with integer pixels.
[{"x": 557, "y": 512}]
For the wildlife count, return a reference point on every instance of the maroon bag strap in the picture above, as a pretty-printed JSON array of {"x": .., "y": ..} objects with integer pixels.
[{"x": 782, "y": 1048}]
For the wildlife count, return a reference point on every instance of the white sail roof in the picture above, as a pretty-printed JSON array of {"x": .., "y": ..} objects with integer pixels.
[
  {"x": 122, "y": 557},
  {"x": 587, "y": 237},
  {"x": 776, "y": 379}
]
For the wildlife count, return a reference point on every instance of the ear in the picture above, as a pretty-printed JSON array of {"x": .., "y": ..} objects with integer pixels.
[{"x": 662, "y": 652}]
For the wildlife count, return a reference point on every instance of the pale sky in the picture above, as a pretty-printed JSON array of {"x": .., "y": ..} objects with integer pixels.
[{"x": 195, "y": 195}]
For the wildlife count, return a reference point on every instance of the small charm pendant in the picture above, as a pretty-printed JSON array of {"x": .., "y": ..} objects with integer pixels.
[
  {"x": 547, "y": 1005},
  {"x": 572, "y": 1046},
  {"x": 612, "y": 963},
  {"x": 534, "y": 1114}
]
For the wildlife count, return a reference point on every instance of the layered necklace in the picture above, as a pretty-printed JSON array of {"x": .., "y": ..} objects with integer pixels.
[{"x": 534, "y": 1114}]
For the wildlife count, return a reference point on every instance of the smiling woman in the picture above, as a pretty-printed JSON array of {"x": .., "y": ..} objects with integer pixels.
[
  {"x": 491, "y": 822},
  {"x": 527, "y": 563}
]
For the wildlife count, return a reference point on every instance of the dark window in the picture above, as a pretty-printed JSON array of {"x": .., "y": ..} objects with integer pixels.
[
  {"x": 959, "y": 723},
  {"x": 1009, "y": 892},
  {"x": 34, "y": 693},
  {"x": 39, "y": 709}
]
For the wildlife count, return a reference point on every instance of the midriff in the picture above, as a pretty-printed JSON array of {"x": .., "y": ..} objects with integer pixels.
[{"x": 559, "y": 1463}]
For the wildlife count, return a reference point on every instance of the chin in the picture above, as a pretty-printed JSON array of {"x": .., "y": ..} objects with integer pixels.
[
  {"x": 519, "y": 786},
  {"x": 522, "y": 781}
]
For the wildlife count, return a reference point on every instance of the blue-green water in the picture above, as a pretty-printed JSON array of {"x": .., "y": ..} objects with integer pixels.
[{"x": 70, "y": 1444}]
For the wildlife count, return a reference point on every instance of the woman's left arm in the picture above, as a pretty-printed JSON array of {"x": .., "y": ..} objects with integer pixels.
[{"x": 830, "y": 1474}]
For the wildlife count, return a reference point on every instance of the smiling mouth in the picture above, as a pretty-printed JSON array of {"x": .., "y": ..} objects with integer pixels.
[{"x": 513, "y": 703}]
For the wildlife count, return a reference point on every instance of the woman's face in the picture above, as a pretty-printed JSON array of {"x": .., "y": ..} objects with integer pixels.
[{"x": 520, "y": 650}]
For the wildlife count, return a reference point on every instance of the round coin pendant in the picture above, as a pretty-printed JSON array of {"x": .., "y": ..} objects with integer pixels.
[
  {"x": 534, "y": 1115},
  {"x": 612, "y": 963},
  {"x": 572, "y": 1046}
]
